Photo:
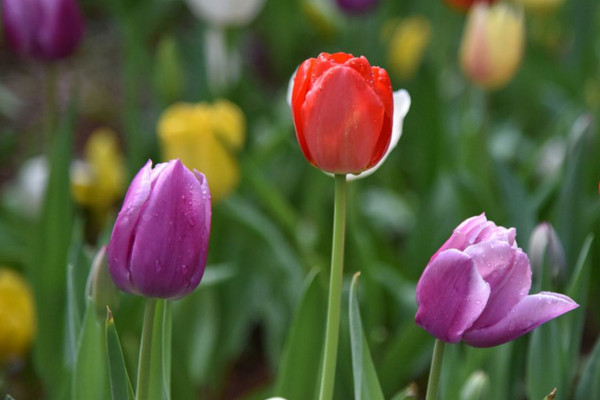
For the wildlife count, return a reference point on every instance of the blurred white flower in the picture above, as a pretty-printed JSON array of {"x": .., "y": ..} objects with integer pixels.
[
  {"x": 226, "y": 12},
  {"x": 27, "y": 191}
]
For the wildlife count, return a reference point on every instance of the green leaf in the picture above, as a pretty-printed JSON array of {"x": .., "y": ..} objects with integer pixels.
[
  {"x": 589, "y": 385},
  {"x": 545, "y": 361},
  {"x": 366, "y": 383},
  {"x": 300, "y": 366},
  {"x": 48, "y": 269},
  {"x": 120, "y": 384},
  {"x": 90, "y": 363}
]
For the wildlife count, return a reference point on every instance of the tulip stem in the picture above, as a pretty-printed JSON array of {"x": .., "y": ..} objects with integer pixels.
[
  {"x": 434, "y": 372},
  {"x": 335, "y": 290},
  {"x": 50, "y": 105},
  {"x": 143, "y": 379}
]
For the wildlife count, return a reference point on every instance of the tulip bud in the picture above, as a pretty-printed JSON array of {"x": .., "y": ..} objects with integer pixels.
[
  {"x": 17, "y": 316},
  {"x": 99, "y": 181},
  {"x": 464, "y": 5},
  {"x": 475, "y": 288},
  {"x": 159, "y": 242},
  {"x": 476, "y": 387},
  {"x": 42, "y": 29},
  {"x": 343, "y": 110},
  {"x": 226, "y": 12},
  {"x": 356, "y": 6},
  {"x": 492, "y": 44},
  {"x": 544, "y": 245},
  {"x": 408, "y": 42},
  {"x": 100, "y": 287}
]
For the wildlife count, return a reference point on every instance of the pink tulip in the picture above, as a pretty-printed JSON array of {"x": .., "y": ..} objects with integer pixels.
[
  {"x": 475, "y": 288},
  {"x": 159, "y": 242},
  {"x": 42, "y": 29}
]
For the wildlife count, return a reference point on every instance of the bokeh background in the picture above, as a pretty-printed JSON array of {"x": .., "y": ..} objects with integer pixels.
[{"x": 74, "y": 131}]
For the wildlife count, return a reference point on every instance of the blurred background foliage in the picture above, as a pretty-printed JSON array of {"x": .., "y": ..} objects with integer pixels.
[{"x": 523, "y": 154}]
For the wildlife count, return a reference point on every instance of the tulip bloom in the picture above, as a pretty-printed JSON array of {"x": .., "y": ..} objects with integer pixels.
[
  {"x": 356, "y": 6},
  {"x": 42, "y": 29},
  {"x": 99, "y": 181},
  {"x": 492, "y": 44},
  {"x": 466, "y": 4},
  {"x": 476, "y": 286},
  {"x": 343, "y": 111},
  {"x": 17, "y": 316},
  {"x": 408, "y": 42},
  {"x": 159, "y": 242},
  {"x": 206, "y": 137}
]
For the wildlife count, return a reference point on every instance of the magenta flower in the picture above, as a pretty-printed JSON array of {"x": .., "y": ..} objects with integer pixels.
[
  {"x": 475, "y": 288},
  {"x": 356, "y": 6},
  {"x": 159, "y": 242},
  {"x": 42, "y": 29}
]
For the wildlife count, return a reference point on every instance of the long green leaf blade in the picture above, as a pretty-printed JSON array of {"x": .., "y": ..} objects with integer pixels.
[
  {"x": 366, "y": 383},
  {"x": 120, "y": 385}
]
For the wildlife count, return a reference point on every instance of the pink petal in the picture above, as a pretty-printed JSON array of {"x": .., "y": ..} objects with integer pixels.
[
  {"x": 507, "y": 271},
  {"x": 451, "y": 295},
  {"x": 528, "y": 314}
]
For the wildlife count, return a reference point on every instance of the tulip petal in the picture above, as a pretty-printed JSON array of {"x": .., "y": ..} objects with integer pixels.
[
  {"x": 507, "y": 272},
  {"x": 401, "y": 106},
  {"x": 338, "y": 110},
  {"x": 120, "y": 246},
  {"x": 166, "y": 250},
  {"x": 451, "y": 295},
  {"x": 528, "y": 314}
]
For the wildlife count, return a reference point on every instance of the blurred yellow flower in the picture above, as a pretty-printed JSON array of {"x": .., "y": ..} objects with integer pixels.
[
  {"x": 99, "y": 181},
  {"x": 206, "y": 137},
  {"x": 17, "y": 316},
  {"x": 492, "y": 44},
  {"x": 540, "y": 6},
  {"x": 408, "y": 41}
]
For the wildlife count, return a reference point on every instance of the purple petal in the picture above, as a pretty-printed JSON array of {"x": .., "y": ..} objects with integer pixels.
[
  {"x": 19, "y": 21},
  {"x": 464, "y": 234},
  {"x": 60, "y": 30},
  {"x": 121, "y": 239},
  {"x": 507, "y": 271},
  {"x": 169, "y": 251},
  {"x": 528, "y": 314},
  {"x": 451, "y": 295}
]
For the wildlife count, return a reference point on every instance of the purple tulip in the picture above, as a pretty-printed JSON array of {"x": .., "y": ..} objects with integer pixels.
[
  {"x": 42, "y": 29},
  {"x": 476, "y": 286},
  {"x": 159, "y": 242},
  {"x": 356, "y": 6}
]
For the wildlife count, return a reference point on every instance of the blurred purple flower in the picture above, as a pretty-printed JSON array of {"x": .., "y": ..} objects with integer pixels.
[
  {"x": 42, "y": 29},
  {"x": 356, "y": 6},
  {"x": 476, "y": 286},
  {"x": 159, "y": 242}
]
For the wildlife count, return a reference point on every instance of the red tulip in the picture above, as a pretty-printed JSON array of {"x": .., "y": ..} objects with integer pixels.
[
  {"x": 466, "y": 4},
  {"x": 342, "y": 109}
]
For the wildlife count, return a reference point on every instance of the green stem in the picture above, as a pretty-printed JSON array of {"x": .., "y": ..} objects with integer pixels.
[
  {"x": 335, "y": 290},
  {"x": 434, "y": 373},
  {"x": 50, "y": 104},
  {"x": 143, "y": 380}
]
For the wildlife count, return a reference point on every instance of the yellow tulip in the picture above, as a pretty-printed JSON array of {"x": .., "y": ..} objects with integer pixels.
[
  {"x": 206, "y": 137},
  {"x": 492, "y": 44},
  {"x": 540, "y": 6},
  {"x": 17, "y": 316},
  {"x": 99, "y": 181},
  {"x": 408, "y": 42}
]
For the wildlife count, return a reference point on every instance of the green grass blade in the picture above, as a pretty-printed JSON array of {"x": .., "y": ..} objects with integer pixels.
[
  {"x": 589, "y": 385},
  {"x": 366, "y": 383},
  {"x": 120, "y": 384},
  {"x": 299, "y": 370}
]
